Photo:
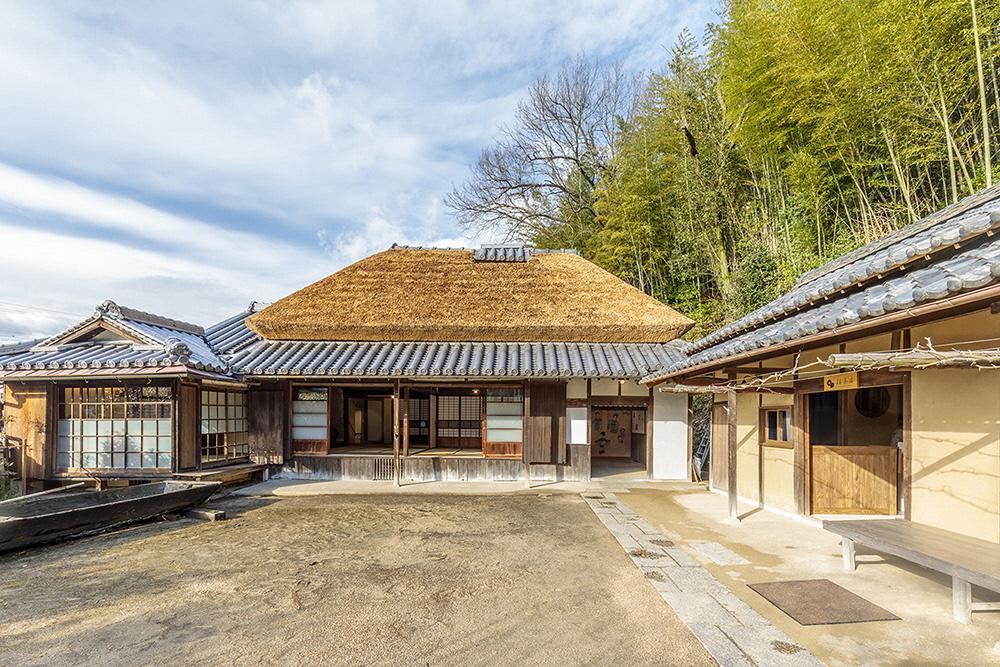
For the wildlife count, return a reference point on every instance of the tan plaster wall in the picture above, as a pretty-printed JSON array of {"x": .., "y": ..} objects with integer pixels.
[
  {"x": 748, "y": 446},
  {"x": 778, "y": 478},
  {"x": 769, "y": 400},
  {"x": 576, "y": 388},
  {"x": 975, "y": 326},
  {"x": 956, "y": 450},
  {"x": 604, "y": 387},
  {"x": 881, "y": 343}
]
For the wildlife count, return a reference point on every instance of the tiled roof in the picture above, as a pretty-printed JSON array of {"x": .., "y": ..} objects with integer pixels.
[
  {"x": 230, "y": 347},
  {"x": 232, "y": 334},
  {"x": 887, "y": 277},
  {"x": 158, "y": 342},
  {"x": 970, "y": 219},
  {"x": 424, "y": 359}
]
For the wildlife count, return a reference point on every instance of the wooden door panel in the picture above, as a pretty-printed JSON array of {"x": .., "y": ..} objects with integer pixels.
[
  {"x": 189, "y": 420},
  {"x": 853, "y": 479},
  {"x": 266, "y": 411},
  {"x": 545, "y": 438}
]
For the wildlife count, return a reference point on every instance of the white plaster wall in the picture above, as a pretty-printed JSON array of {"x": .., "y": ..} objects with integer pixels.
[
  {"x": 576, "y": 426},
  {"x": 630, "y": 388},
  {"x": 670, "y": 436}
]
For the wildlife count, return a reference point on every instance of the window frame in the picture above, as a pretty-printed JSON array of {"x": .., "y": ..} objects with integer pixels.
[
  {"x": 233, "y": 443},
  {"x": 783, "y": 427},
  {"x": 112, "y": 412}
]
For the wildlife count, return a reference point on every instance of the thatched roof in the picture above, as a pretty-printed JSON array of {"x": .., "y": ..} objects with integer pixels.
[{"x": 421, "y": 294}]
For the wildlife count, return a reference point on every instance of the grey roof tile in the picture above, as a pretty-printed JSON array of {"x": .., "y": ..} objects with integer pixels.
[
  {"x": 969, "y": 218},
  {"x": 976, "y": 266},
  {"x": 473, "y": 359}
]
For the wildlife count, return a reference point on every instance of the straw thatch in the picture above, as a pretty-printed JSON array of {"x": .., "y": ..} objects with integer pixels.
[{"x": 406, "y": 294}]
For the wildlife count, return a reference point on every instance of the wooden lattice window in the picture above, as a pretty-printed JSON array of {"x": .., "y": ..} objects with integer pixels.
[
  {"x": 420, "y": 416},
  {"x": 224, "y": 429},
  {"x": 460, "y": 417},
  {"x": 115, "y": 428}
]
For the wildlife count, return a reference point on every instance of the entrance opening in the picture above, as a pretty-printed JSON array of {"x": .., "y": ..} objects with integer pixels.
[
  {"x": 854, "y": 440},
  {"x": 618, "y": 441},
  {"x": 434, "y": 421}
]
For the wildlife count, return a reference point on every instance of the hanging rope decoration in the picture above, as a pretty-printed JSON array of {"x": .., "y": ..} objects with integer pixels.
[{"x": 921, "y": 356}]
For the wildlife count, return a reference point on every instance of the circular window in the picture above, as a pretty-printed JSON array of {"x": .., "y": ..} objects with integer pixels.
[{"x": 872, "y": 402}]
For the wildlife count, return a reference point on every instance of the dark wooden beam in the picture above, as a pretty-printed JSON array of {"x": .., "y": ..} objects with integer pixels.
[
  {"x": 731, "y": 452},
  {"x": 395, "y": 432},
  {"x": 406, "y": 421},
  {"x": 753, "y": 370}
]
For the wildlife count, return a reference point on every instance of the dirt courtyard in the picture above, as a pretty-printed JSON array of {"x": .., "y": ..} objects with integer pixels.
[{"x": 519, "y": 579}]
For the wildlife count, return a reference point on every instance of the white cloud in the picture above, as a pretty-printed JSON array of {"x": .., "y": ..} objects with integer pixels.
[{"x": 205, "y": 150}]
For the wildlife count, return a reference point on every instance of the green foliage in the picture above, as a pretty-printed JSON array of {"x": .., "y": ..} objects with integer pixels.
[{"x": 800, "y": 130}]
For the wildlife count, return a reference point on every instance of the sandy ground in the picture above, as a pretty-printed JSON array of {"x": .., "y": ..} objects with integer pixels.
[
  {"x": 780, "y": 549},
  {"x": 519, "y": 579}
]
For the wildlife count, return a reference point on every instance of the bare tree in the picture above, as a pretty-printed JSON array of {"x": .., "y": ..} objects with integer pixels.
[{"x": 542, "y": 171}]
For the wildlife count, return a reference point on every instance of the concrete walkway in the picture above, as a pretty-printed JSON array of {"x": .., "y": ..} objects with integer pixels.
[{"x": 729, "y": 629}]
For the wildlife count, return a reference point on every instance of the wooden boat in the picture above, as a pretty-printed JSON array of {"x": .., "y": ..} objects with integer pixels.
[{"x": 46, "y": 518}]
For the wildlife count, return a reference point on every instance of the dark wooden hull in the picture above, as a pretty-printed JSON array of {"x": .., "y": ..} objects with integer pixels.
[{"x": 32, "y": 521}]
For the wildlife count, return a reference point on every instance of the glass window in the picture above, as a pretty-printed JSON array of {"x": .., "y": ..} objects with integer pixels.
[
  {"x": 225, "y": 432},
  {"x": 504, "y": 415},
  {"x": 310, "y": 413},
  {"x": 94, "y": 434},
  {"x": 777, "y": 426}
]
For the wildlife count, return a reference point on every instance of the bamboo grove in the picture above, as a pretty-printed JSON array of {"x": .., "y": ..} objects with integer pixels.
[{"x": 798, "y": 130}]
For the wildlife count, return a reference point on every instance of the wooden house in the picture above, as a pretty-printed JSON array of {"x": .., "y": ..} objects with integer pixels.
[
  {"x": 872, "y": 387},
  {"x": 495, "y": 364}
]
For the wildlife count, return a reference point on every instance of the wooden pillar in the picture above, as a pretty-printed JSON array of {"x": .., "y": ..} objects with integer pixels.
[
  {"x": 395, "y": 433},
  {"x": 526, "y": 433},
  {"x": 406, "y": 421},
  {"x": 731, "y": 451},
  {"x": 649, "y": 434},
  {"x": 907, "y": 453}
]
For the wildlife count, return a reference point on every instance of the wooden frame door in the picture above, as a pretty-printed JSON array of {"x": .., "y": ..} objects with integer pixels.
[
  {"x": 460, "y": 421},
  {"x": 844, "y": 477}
]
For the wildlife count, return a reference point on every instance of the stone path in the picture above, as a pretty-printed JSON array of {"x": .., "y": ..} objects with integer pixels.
[{"x": 729, "y": 628}]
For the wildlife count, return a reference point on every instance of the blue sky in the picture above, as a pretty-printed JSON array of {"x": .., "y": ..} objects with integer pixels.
[{"x": 189, "y": 157}]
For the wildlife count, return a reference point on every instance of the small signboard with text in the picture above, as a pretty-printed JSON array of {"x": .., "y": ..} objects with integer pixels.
[{"x": 840, "y": 381}]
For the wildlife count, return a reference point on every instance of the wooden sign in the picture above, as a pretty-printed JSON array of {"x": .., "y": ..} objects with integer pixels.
[{"x": 840, "y": 381}]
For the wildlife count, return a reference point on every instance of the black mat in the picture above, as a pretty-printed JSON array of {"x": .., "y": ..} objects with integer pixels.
[{"x": 820, "y": 602}]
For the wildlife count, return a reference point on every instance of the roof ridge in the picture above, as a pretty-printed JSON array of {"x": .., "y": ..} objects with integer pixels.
[
  {"x": 109, "y": 307},
  {"x": 484, "y": 246}
]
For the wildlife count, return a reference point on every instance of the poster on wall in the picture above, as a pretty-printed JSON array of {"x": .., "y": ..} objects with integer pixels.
[{"x": 612, "y": 429}]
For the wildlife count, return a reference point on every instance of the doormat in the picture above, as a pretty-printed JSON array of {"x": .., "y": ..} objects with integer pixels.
[{"x": 820, "y": 602}]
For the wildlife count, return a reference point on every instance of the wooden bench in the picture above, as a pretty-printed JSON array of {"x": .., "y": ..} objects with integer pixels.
[{"x": 966, "y": 559}]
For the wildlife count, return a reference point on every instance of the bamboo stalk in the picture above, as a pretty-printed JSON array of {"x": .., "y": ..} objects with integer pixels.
[{"x": 987, "y": 155}]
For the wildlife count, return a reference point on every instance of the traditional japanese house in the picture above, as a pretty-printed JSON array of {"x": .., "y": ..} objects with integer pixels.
[
  {"x": 492, "y": 364},
  {"x": 872, "y": 387}
]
